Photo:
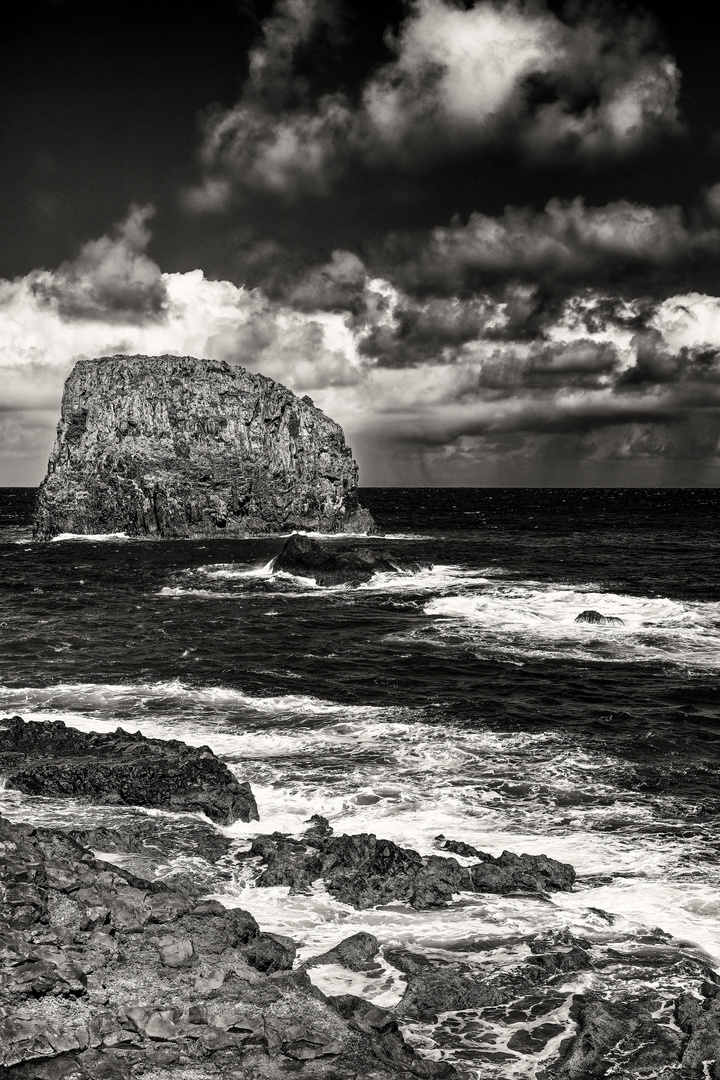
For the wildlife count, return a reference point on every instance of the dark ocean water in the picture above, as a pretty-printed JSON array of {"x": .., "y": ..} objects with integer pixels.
[{"x": 463, "y": 700}]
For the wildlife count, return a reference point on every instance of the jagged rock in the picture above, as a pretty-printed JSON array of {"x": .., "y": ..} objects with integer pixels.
[
  {"x": 171, "y": 446},
  {"x": 382, "y": 1027},
  {"x": 331, "y": 564},
  {"x": 591, "y": 616},
  {"x": 356, "y": 953},
  {"x": 528, "y": 873},
  {"x": 121, "y": 768},
  {"x": 104, "y": 976},
  {"x": 623, "y": 1036},
  {"x": 365, "y": 871},
  {"x": 459, "y": 847},
  {"x": 435, "y": 987}
]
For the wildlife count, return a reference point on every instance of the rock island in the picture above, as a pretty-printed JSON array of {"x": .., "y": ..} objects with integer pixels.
[{"x": 173, "y": 447}]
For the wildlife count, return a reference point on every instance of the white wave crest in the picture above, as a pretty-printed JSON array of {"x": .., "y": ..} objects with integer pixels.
[
  {"x": 536, "y": 619},
  {"x": 94, "y": 537}
]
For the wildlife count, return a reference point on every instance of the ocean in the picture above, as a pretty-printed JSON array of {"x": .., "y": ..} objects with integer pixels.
[{"x": 463, "y": 700}]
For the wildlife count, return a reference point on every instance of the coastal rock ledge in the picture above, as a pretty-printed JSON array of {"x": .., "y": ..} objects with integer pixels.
[{"x": 174, "y": 447}]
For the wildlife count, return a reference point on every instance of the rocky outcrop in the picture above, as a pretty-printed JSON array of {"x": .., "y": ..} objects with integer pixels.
[
  {"x": 591, "y": 616},
  {"x": 330, "y": 564},
  {"x": 120, "y": 768},
  {"x": 104, "y": 976},
  {"x": 365, "y": 871},
  {"x": 171, "y": 446},
  {"x": 435, "y": 987}
]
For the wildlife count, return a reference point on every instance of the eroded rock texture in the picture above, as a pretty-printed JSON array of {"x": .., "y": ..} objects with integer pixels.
[
  {"x": 105, "y": 976},
  {"x": 171, "y": 446},
  {"x": 120, "y": 768},
  {"x": 365, "y": 871}
]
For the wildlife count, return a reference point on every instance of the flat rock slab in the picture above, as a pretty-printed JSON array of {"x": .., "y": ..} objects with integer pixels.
[{"x": 121, "y": 768}]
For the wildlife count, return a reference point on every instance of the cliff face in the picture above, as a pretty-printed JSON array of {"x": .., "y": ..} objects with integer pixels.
[{"x": 171, "y": 446}]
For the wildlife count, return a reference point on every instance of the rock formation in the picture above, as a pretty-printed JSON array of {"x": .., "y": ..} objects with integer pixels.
[
  {"x": 105, "y": 976},
  {"x": 591, "y": 616},
  {"x": 171, "y": 446},
  {"x": 364, "y": 871},
  {"x": 120, "y": 768},
  {"x": 329, "y": 564}
]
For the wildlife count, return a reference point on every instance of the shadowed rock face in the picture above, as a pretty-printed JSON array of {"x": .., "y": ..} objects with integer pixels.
[
  {"x": 171, "y": 446},
  {"x": 329, "y": 564},
  {"x": 591, "y": 616},
  {"x": 120, "y": 768}
]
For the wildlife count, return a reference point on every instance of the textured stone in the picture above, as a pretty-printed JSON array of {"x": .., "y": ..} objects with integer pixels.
[
  {"x": 171, "y": 446},
  {"x": 121, "y": 768},
  {"x": 330, "y": 564},
  {"x": 234, "y": 1014},
  {"x": 364, "y": 871}
]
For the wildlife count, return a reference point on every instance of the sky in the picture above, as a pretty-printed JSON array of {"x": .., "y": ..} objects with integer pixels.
[{"x": 482, "y": 236}]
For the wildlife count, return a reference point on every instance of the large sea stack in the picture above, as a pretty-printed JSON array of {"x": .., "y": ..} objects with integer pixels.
[{"x": 171, "y": 446}]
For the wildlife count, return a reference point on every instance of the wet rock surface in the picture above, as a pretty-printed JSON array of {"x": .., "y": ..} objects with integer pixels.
[
  {"x": 105, "y": 976},
  {"x": 591, "y": 616},
  {"x": 171, "y": 446},
  {"x": 332, "y": 564},
  {"x": 365, "y": 871},
  {"x": 121, "y": 768}
]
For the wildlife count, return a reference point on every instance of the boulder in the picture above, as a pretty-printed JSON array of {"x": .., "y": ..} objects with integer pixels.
[
  {"x": 356, "y": 953},
  {"x": 330, "y": 563},
  {"x": 591, "y": 616},
  {"x": 171, "y": 446},
  {"x": 121, "y": 768}
]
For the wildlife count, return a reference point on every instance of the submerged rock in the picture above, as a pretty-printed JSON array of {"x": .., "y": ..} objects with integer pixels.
[
  {"x": 120, "y": 768},
  {"x": 330, "y": 564},
  {"x": 104, "y": 976},
  {"x": 591, "y": 616},
  {"x": 365, "y": 871},
  {"x": 435, "y": 986},
  {"x": 171, "y": 446}
]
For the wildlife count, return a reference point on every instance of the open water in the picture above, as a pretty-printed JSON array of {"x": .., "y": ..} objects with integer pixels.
[{"x": 463, "y": 700}]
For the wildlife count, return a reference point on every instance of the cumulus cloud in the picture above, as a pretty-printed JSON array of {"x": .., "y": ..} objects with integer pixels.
[
  {"x": 503, "y": 369},
  {"x": 111, "y": 278},
  {"x": 50, "y": 319},
  {"x": 462, "y": 79},
  {"x": 567, "y": 240}
]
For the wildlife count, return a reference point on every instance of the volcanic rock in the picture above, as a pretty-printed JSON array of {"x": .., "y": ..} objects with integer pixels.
[
  {"x": 104, "y": 976},
  {"x": 121, "y": 768},
  {"x": 171, "y": 446},
  {"x": 435, "y": 987},
  {"x": 365, "y": 871},
  {"x": 591, "y": 616},
  {"x": 356, "y": 953},
  {"x": 330, "y": 564}
]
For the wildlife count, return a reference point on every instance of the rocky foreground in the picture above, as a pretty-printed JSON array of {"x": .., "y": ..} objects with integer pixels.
[
  {"x": 171, "y": 447},
  {"x": 111, "y": 969}
]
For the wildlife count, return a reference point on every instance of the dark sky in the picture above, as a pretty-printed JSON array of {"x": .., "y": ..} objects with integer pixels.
[{"x": 484, "y": 236}]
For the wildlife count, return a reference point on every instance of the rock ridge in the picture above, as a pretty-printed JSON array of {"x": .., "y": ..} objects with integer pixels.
[{"x": 175, "y": 447}]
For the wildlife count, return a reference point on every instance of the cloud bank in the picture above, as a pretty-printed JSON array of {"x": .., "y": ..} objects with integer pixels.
[
  {"x": 426, "y": 385},
  {"x": 593, "y": 86}
]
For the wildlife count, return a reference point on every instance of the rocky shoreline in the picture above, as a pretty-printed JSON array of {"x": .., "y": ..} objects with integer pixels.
[{"x": 109, "y": 970}]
